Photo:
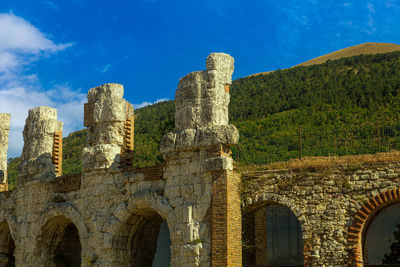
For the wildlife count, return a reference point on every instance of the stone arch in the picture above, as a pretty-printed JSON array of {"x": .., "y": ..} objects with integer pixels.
[
  {"x": 134, "y": 228},
  {"x": 136, "y": 240},
  {"x": 259, "y": 200},
  {"x": 256, "y": 204},
  {"x": 60, "y": 237},
  {"x": 363, "y": 217},
  {"x": 70, "y": 212}
]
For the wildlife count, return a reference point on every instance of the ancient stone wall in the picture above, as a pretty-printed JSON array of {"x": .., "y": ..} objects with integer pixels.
[
  {"x": 110, "y": 215},
  {"x": 5, "y": 120},
  {"x": 328, "y": 204},
  {"x": 116, "y": 210}
]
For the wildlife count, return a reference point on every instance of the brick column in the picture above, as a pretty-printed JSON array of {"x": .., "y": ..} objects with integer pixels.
[
  {"x": 42, "y": 149},
  {"x": 226, "y": 220},
  {"x": 5, "y": 119}
]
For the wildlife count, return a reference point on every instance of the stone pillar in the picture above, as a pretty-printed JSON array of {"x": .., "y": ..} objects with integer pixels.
[
  {"x": 200, "y": 185},
  {"x": 109, "y": 119},
  {"x": 40, "y": 136},
  {"x": 5, "y": 120}
]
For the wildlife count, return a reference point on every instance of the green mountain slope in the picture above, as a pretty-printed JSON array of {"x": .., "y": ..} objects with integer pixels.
[{"x": 346, "y": 106}]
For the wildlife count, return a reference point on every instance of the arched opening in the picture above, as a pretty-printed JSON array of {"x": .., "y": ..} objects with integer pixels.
[
  {"x": 7, "y": 246},
  {"x": 146, "y": 240},
  {"x": 272, "y": 237},
  {"x": 381, "y": 238},
  {"x": 59, "y": 243}
]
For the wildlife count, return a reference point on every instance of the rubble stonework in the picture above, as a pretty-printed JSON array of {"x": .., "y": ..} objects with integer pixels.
[
  {"x": 5, "y": 120},
  {"x": 111, "y": 214},
  {"x": 326, "y": 202}
]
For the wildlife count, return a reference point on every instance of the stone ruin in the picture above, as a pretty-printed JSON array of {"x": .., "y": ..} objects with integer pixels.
[
  {"x": 113, "y": 215},
  {"x": 110, "y": 215}
]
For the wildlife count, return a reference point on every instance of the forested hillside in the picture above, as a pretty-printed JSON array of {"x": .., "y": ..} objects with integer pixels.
[{"x": 345, "y": 106}]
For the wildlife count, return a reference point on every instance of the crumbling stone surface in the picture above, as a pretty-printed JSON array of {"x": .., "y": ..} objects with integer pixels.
[
  {"x": 105, "y": 115},
  {"x": 5, "y": 120},
  {"x": 36, "y": 159},
  {"x": 201, "y": 99}
]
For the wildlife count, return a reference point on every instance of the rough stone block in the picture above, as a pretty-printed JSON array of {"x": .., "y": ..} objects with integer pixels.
[
  {"x": 220, "y": 61},
  {"x": 110, "y": 110},
  {"x": 215, "y": 164},
  {"x": 105, "y": 91},
  {"x": 213, "y": 135},
  {"x": 101, "y": 157},
  {"x": 185, "y": 139},
  {"x": 167, "y": 143}
]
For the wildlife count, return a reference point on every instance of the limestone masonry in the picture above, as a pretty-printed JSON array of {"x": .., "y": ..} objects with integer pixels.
[{"x": 111, "y": 214}]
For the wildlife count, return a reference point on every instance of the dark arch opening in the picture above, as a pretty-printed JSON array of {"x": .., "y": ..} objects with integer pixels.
[
  {"x": 59, "y": 243},
  {"x": 272, "y": 236},
  {"x": 381, "y": 237},
  {"x": 7, "y": 246},
  {"x": 147, "y": 240}
]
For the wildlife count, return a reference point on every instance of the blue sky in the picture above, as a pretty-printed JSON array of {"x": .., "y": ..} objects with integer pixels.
[{"x": 53, "y": 51}]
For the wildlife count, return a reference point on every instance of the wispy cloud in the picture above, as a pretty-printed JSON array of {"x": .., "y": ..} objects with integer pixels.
[
  {"x": 106, "y": 68},
  {"x": 52, "y": 5},
  {"x": 146, "y": 103},
  {"x": 21, "y": 44},
  {"x": 370, "y": 19}
]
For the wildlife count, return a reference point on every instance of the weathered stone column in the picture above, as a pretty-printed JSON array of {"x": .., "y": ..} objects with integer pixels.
[
  {"x": 206, "y": 222},
  {"x": 109, "y": 119},
  {"x": 5, "y": 120},
  {"x": 41, "y": 153}
]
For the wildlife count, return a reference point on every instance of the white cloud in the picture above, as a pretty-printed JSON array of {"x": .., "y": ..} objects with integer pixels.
[
  {"x": 146, "y": 103},
  {"x": 19, "y": 36},
  {"x": 21, "y": 43}
]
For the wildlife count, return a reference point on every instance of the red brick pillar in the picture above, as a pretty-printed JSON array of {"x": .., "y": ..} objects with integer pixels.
[{"x": 226, "y": 220}]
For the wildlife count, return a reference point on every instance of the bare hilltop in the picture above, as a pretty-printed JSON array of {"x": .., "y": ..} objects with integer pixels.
[{"x": 366, "y": 48}]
